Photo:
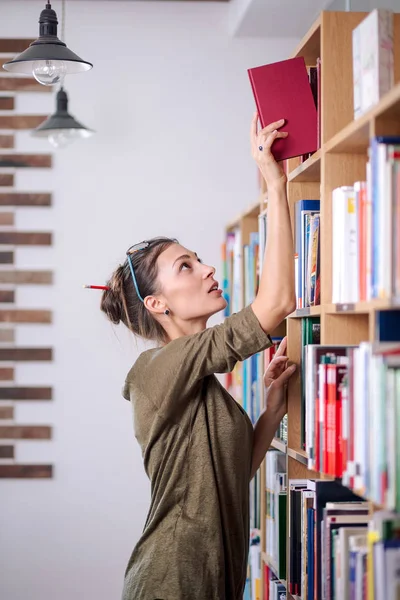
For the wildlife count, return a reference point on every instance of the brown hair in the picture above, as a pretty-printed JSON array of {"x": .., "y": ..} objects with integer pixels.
[{"x": 121, "y": 302}]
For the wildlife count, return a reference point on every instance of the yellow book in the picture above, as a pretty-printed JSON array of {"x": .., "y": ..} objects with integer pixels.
[
  {"x": 257, "y": 585},
  {"x": 372, "y": 538}
]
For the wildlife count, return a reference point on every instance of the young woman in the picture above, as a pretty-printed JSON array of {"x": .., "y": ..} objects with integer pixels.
[{"x": 199, "y": 448}]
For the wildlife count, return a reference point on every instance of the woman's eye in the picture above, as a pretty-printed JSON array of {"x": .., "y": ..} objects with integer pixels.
[{"x": 184, "y": 265}]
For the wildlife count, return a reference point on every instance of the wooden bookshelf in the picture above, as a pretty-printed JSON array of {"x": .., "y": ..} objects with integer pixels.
[{"x": 341, "y": 160}]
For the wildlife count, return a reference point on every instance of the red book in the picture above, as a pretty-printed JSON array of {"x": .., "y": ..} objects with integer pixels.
[{"x": 282, "y": 91}]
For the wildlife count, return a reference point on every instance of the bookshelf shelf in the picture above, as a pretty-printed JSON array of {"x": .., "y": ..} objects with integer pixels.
[
  {"x": 305, "y": 312},
  {"x": 279, "y": 445},
  {"x": 356, "y": 135},
  {"x": 309, "y": 170},
  {"x": 341, "y": 161},
  {"x": 363, "y": 307},
  {"x": 300, "y": 455}
]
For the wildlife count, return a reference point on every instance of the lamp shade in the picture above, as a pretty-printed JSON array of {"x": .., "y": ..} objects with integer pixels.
[
  {"x": 47, "y": 49},
  {"x": 61, "y": 128}
]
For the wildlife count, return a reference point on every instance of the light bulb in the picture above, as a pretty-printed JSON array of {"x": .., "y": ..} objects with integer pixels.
[
  {"x": 49, "y": 72},
  {"x": 61, "y": 139}
]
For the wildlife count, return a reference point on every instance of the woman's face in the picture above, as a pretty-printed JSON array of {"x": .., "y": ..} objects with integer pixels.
[{"x": 187, "y": 285}]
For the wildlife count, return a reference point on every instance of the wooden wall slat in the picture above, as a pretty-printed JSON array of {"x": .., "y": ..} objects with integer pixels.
[
  {"x": 25, "y": 393},
  {"x": 26, "y": 277},
  {"x": 6, "y": 102},
  {"x": 22, "y": 84},
  {"x": 25, "y": 238},
  {"x": 7, "y": 218},
  {"x": 21, "y": 121},
  {"x": 26, "y": 471},
  {"x": 18, "y": 199},
  {"x": 6, "y": 141},
  {"x": 7, "y": 296},
  {"x": 6, "y": 258},
  {"x": 6, "y": 179},
  {"x": 25, "y": 316},
  {"x": 26, "y": 354},
  {"x": 6, "y": 412},
  {"x": 7, "y": 336},
  {"x": 14, "y": 45},
  {"x": 6, "y": 451},
  {"x": 7, "y": 374},
  {"x": 34, "y": 161},
  {"x": 25, "y": 432}
]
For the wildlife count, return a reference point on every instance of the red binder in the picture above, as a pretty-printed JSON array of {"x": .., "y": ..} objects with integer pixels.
[{"x": 282, "y": 91}]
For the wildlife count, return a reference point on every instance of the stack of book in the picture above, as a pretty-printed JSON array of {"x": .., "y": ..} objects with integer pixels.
[
  {"x": 373, "y": 60},
  {"x": 307, "y": 252},
  {"x": 275, "y": 508},
  {"x": 353, "y": 417},
  {"x": 365, "y": 229}
]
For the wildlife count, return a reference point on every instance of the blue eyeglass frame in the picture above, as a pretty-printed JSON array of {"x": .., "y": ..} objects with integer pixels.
[{"x": 129, "y": 252}]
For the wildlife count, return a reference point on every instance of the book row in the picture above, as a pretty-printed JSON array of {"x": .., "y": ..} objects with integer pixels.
[
  {"x": 352, "y": 416},
  {"x": 337, "y": 548}
]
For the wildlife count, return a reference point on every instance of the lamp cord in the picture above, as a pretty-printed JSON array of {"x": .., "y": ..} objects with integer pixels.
[{"x": 63, "y": 21}]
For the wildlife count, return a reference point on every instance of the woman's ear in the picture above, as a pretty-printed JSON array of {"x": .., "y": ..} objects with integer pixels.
[{"x": 155, "y": 305}]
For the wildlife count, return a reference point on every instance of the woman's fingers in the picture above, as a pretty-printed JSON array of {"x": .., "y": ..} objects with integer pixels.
[
  {"x": 271, "y": 127},
  {"x": 282, "y": 347}
]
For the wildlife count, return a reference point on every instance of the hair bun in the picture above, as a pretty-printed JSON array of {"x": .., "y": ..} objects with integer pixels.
[{"x": 111, "y": 301}]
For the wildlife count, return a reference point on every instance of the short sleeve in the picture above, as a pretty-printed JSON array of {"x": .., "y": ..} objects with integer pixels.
[{"x": 173, "y": 370}]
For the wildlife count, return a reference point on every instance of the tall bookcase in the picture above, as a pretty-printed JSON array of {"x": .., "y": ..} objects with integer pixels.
[{"x": 340, "y": 161}]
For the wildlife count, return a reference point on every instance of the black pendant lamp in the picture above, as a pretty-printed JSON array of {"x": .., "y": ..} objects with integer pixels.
[
  {"x": 61, "y": 128},
  {"x": 48, "y": 59}
]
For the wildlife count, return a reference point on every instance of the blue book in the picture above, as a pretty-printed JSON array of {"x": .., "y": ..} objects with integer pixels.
[{"x": 300, "y": 208}]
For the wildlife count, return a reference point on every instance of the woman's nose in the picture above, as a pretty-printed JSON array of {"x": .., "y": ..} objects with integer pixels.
[{"x": 209, "y": 271}]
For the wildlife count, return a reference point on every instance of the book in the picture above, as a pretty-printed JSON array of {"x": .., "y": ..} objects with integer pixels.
[
  {"x": 373, "y": 62},
  {"x": 282, "y": 91}
]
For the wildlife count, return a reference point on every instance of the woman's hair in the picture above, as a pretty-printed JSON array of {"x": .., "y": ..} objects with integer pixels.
[{"x": 121, "y": 302}]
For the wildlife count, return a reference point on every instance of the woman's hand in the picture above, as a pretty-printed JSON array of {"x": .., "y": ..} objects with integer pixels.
[
  {"x": 271, "y": 171},
  {"x": 276, "y": 378}
]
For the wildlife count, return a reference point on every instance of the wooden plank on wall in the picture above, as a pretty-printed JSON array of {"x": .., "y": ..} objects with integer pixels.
[
  {"x": 6, "y": 412},
  {"x": 26, "y": 354},
  {"x": 7, "y": 374},
  {"x": 25, "y": 238},
  {"x": 14, "y": 45},
  {"x": 6, "y": 102},
  {"x": 7, "y": 218},
  {"x": 22, "y": 84},
  {"x": 26, "y": 277},
  {"x": 25, "y": 316},
  {"x": 34, "y": 161},
  {"x": 25, "y": 393},
  {"x": 6, "y": 258},
  {"x": 26, "y": 471},
  {"x": 25, "y": 432},
  {"x": 24, "y": 199},
  {"x": 6, "y": 451},
  {"x": 6, "y": 141},
  {"x": 7, "y": 296},
  {"x": 7, "y": 336},
  {"x": 21, "y": 121},
  {"x": 6, "y": 179}
]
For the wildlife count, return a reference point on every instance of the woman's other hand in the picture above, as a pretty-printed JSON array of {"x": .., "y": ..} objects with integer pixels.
[
  {"x": 261, "y": 144},
  {"x": 276, "y": 378}
]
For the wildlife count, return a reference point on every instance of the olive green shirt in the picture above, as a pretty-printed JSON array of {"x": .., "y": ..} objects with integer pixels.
[{"x": 196, "y": 444}]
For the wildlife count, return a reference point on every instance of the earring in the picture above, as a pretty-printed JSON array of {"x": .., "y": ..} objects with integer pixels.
[{"x": 166, "y": 312}]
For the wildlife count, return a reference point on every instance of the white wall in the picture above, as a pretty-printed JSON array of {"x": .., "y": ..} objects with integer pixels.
[
  {"x": 171, "y": 103},
  {"x": 364, "y": 5}
]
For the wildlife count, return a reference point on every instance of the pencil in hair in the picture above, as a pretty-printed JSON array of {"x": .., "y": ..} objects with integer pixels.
[{"x": 97, "y": 287}]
